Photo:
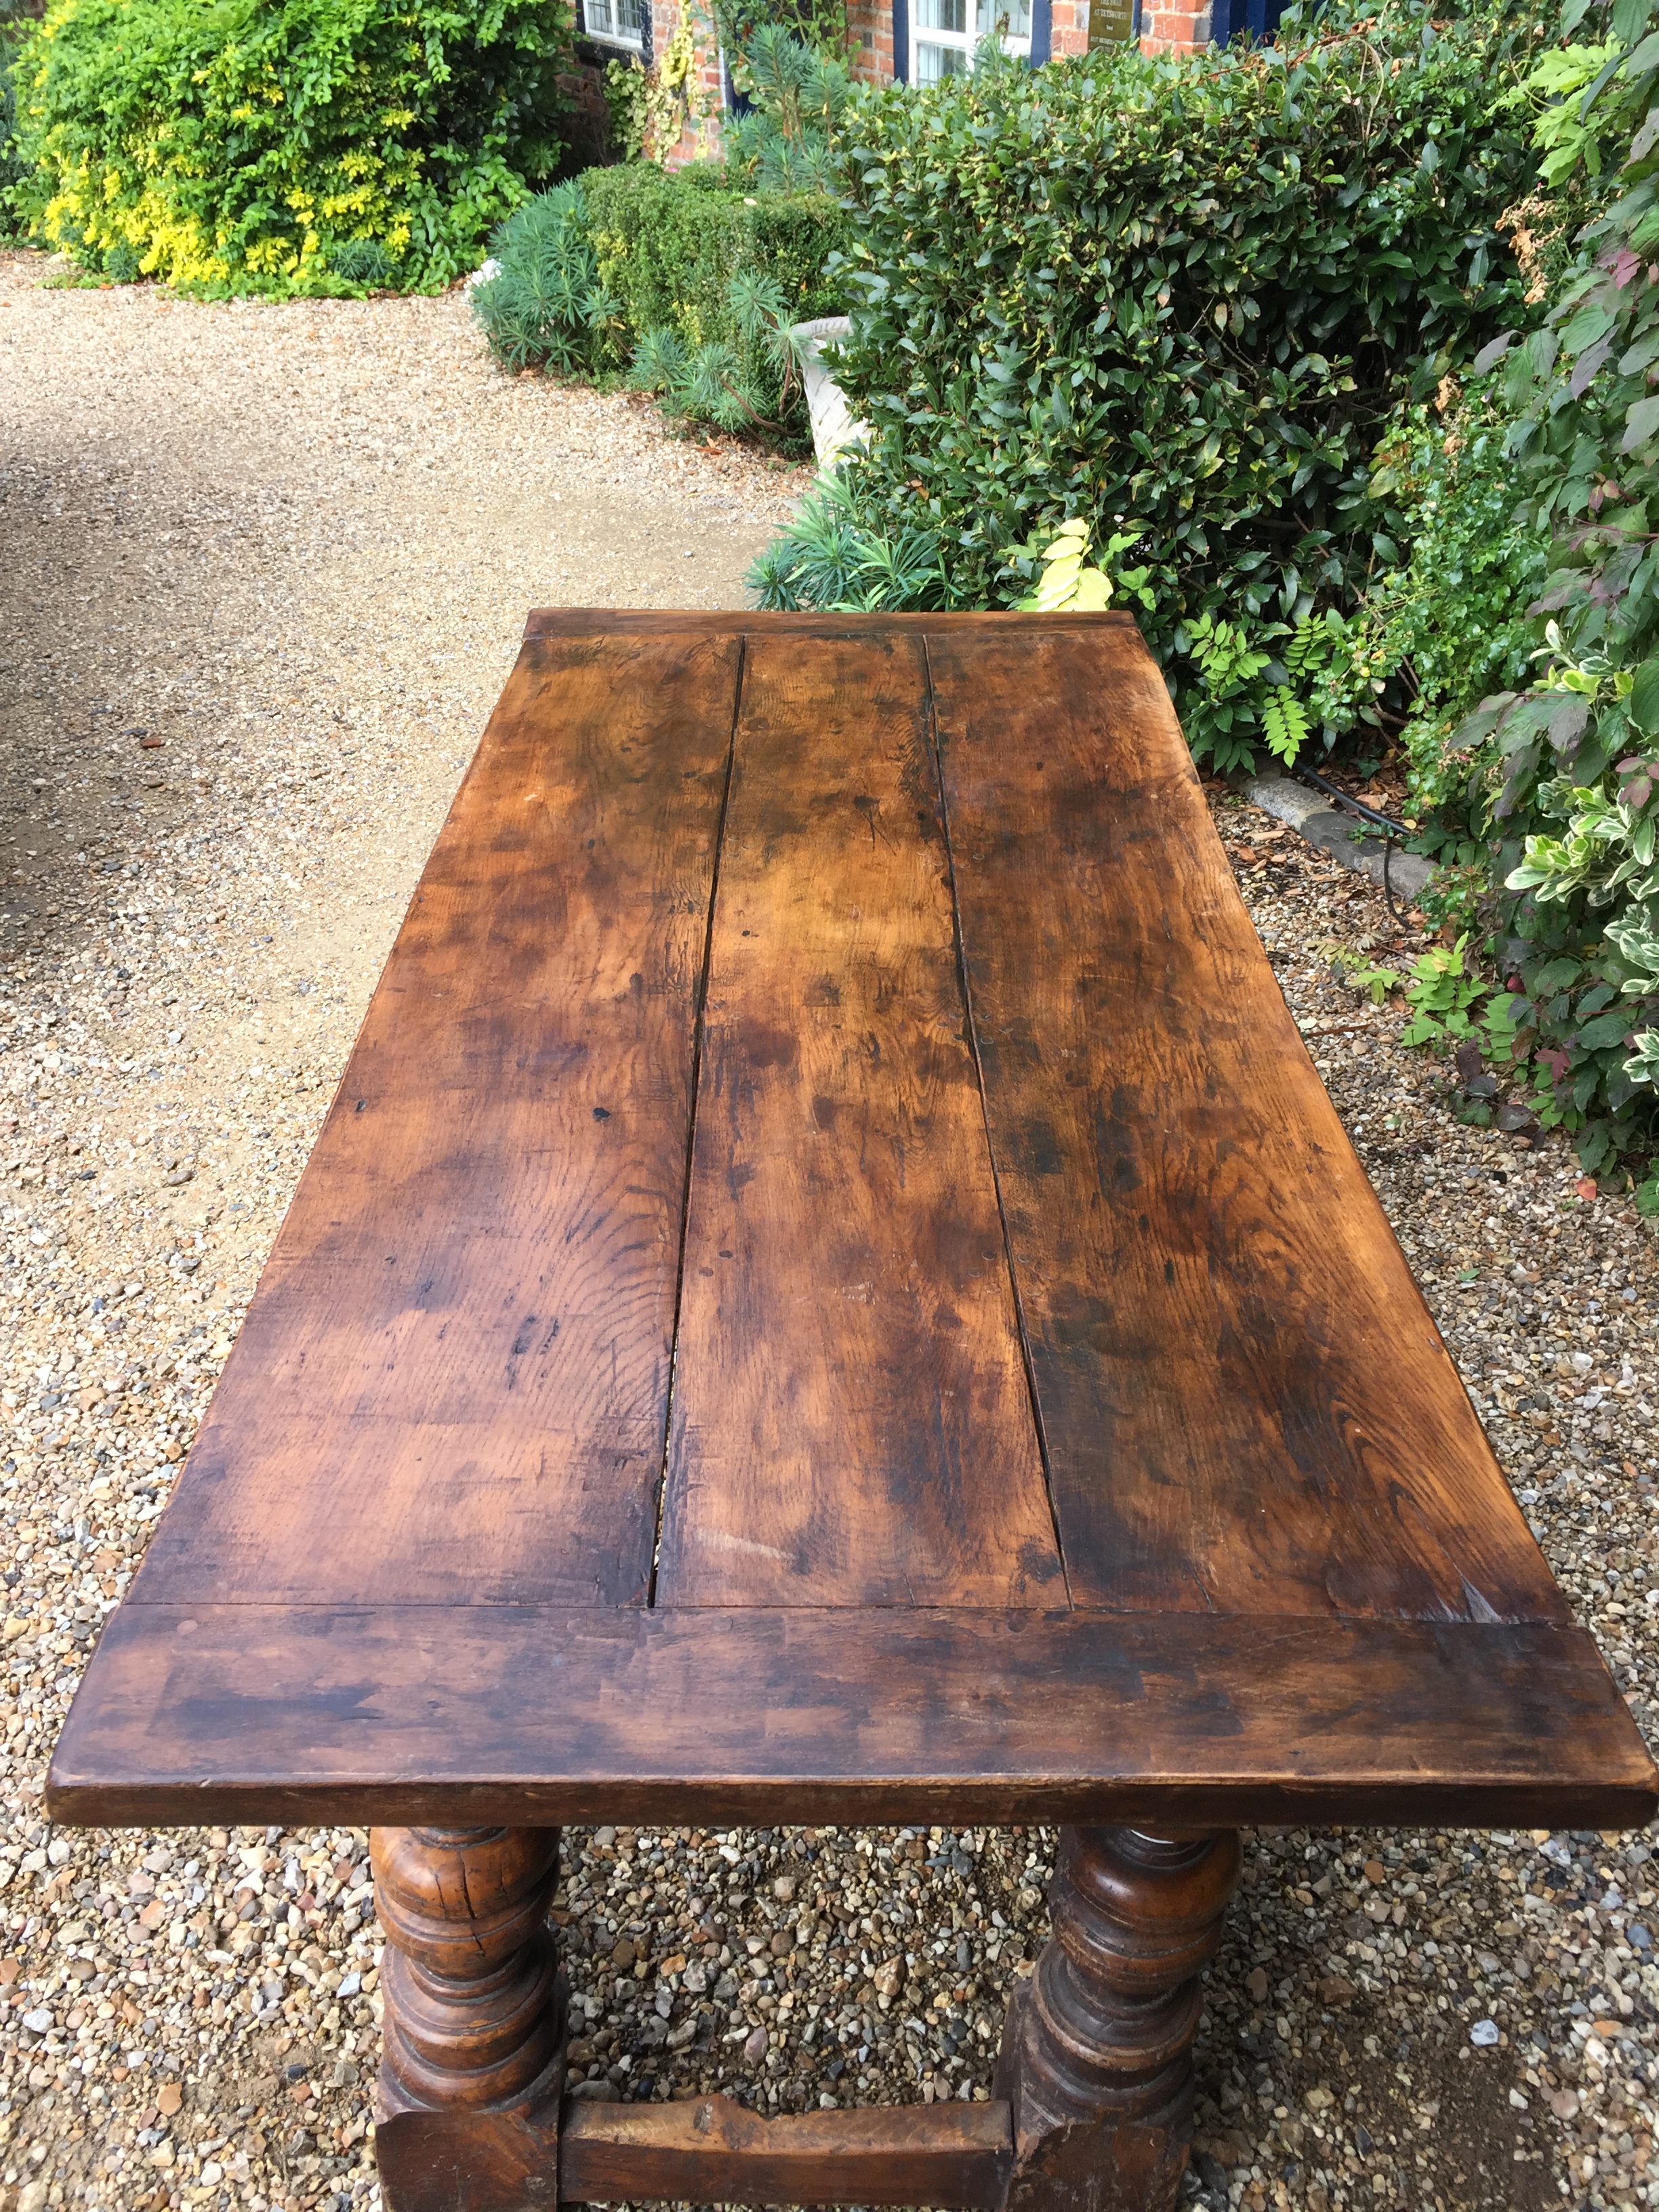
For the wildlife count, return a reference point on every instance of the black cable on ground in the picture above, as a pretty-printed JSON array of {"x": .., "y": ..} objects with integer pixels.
[
  {"x": 1354, "y": 805},
  {"x": 1386, "y": 822}
]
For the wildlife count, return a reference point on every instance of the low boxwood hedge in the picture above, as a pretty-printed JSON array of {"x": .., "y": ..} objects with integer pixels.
[
  {"x": 684, "y": 280},
  {"x": 668, "y": 244}
]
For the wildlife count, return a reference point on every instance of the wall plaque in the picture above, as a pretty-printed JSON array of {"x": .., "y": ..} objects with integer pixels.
[{"x": 1110, "y": 21}]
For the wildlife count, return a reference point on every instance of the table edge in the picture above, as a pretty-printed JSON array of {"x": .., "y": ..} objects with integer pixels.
[
  {"x": 245, "y": 1714},
  {"x": 645, "y": 622}
]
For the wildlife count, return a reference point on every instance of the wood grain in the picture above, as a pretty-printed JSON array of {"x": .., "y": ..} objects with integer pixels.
[
  {"x": 464, "y": 2159},
  {"x": 470, "y": 1714},
  {"x": 474, "y": 2007},
  {"x": 1246, "y": 1405},
  {"x": 851, "y": 1423},
  {"x": 708, "y": 2150},
  {"x": 452, "y": 1383},
  {"x": 406, "y": 1576}
]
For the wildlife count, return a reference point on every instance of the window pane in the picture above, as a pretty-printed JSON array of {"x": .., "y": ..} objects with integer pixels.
[
  {"x": 942, "y": 15},
  {"x": 933, "y": 63},
  {"x": 619, "y": 21},
  {"x": 988, "y": 14}
]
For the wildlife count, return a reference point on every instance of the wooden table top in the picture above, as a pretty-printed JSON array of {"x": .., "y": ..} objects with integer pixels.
[{"x": 832, "y": 1289}]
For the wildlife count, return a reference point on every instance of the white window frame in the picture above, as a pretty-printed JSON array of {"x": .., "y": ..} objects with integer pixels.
[
  {"x": 632, "y": 42},
  {"x": 979, "y": 16}
]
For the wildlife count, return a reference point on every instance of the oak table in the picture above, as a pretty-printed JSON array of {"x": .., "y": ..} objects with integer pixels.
[{"x": 831, "y": 1292}]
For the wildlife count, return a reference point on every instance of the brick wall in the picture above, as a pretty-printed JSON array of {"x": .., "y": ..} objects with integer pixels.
[
  {"x": 1162, "y": 28},
  {"x": 871, "y": 24},
  {"x": 1070, "y": 33}
]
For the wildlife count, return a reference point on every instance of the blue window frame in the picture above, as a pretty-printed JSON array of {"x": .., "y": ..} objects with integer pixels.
[{"x": 1229, "y": 18}]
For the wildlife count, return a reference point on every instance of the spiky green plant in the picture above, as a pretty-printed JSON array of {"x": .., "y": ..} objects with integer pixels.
[
  {"x": 743, "y": 385},
  {"x": 786, "y": 142},
  {"x": 362, "y": 261},
  {"x": 545, "y": 306},
  {"x": 826, "y": 560}
]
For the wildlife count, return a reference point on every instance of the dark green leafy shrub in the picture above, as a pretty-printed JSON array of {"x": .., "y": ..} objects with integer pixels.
[
  {"x": 545, "y": 306},
  {"x": 241, "y": 145},
  {"x": 121, "y": 262},
  {"x": 1435, "y": 635},
  {"x": 11, "y": 166},
  {"x": 1183, "y": 295},
  {"x": 1534, "y": 573},
  {"x": 1575, "y": 830}
]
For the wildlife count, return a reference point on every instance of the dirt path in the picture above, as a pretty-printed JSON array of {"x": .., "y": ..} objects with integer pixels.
[{"x": 298, "y": 541}]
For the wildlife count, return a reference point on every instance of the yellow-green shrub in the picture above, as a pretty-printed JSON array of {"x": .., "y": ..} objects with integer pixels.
[{"x": 251, "y": 145}]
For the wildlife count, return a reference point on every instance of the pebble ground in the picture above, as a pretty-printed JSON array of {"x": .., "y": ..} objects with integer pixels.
[{"x": 262, "y": 572}]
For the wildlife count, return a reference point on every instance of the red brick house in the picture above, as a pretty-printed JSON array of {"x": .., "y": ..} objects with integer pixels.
[{"x": 917, "y": 41}]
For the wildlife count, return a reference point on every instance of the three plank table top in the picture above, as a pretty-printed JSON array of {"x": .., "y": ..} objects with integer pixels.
[{"x": 831, "y": 1289}]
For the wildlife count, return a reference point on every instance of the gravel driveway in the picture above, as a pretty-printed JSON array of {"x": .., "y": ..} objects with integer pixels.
[{"x": 263, "y": 571}]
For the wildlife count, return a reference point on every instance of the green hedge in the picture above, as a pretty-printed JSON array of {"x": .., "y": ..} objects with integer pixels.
[
  {"x": 688, "y": 283},
  {"x": 11, "y": 169},
  {"x": 1563, "y": 764},
  {"x": 1183, "y": 295},
  {"x": 668, "y": 244},
  {"x": 256, "y": 145}
]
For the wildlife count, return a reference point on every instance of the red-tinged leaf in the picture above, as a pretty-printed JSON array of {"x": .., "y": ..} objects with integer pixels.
[
  {"x": 1568, "y": 724},
  {"x": 1585, "y": 1187}
]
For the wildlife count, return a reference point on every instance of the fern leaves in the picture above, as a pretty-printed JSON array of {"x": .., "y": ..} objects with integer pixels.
[{"x": 1284, "y": 724}]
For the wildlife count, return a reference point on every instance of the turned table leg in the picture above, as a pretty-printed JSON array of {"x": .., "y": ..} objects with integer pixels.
[
  {"x": 466, "y": 2105},
  {"x": 1096, "y": 2051}
]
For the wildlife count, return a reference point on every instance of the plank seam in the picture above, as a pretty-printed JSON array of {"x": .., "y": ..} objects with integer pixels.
[
  {"x": 966, "y": 988},
  {"x": 698, "y": 1029}
]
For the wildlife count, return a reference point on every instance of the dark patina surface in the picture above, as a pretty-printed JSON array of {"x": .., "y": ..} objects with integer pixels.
[{"x": 832, "y": 1290}]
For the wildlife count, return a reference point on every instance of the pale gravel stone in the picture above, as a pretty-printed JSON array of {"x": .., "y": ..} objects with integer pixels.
[{"x": 303, "y": 561}]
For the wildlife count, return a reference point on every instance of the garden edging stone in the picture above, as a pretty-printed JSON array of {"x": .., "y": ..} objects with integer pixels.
[{"x": 1339, "y": 835}]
